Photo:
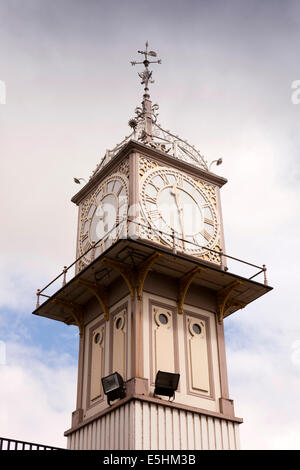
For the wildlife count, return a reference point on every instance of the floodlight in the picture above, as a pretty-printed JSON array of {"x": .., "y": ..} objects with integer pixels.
[
  {"x": 166, "y": 384},
  {"x": 113, "y": 386}
]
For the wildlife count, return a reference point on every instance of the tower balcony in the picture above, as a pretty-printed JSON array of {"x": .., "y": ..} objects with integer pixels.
[{"x": 135, "y": 259}]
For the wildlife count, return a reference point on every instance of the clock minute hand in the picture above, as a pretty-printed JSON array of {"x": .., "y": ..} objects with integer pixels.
[
  {"x": 174, "y": 192},
  {"x": 100, "y": 211}
]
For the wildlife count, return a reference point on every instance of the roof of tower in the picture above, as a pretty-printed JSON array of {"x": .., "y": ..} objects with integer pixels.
[{"x": 147, "y": 130}]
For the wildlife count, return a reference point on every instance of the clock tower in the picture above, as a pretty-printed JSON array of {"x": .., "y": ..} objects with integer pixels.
[{"x": 149, "y": 295}]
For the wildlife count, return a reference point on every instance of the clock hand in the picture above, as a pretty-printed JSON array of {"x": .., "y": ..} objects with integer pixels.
[
  {"x": 100, "y": 211},
  {"x": 174, "y": 192}
]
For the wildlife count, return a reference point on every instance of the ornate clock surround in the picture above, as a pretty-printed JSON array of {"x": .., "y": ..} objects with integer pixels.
[{"x": 181, "y": 209}]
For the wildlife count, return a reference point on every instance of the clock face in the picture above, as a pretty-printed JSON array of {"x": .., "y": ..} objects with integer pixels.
[
  {"x": 176, "y": 204},
  {"x": 102, "y": 216}
]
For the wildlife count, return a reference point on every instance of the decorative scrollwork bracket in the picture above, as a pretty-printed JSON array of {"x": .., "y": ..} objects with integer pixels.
[
  {"x": 225, "y": 301},
  {"x": 143, "y": 270},
  {"x": 100, "y": 292},
  {"x": 183, "y": 286},
  {"x": 75, "y": 310},
  {"x": 124, "y": 270}
]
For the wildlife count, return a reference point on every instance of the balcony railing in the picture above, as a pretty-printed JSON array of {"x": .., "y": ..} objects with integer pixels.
[
  {"x": 126, "y": 235},
  {"x": 12, "y": 444}
]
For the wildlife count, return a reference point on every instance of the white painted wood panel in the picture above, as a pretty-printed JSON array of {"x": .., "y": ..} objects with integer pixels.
[
  {"x": 190, "y": 431},
  {"x": 176, "y": 430},
  {"x": 161, "y": 428},
  {"x": 225, "y": 436},
  {"x": 146, "y": 426},
  {"x": 153, "y": 427},
  {"x": 236, "y": 435},
  {"x": 183, "y": 430},
  {"x": 204, "y": 432},
  {"x": 149, "y": 426},
  {"x": 218, "y": 434},
  {"x": 197, "y": 427},
  {"x": 231, "y": 436},
  {"x": 169, "y": 429},
  {"x": 121, "y": 428},
  {"x": 138, "y": 425}
]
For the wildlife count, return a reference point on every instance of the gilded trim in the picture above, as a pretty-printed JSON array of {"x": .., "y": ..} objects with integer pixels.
[
  {"x": 225, "y": 301},
  {"x": 101, "y": 294},
  {"x": 76, "y": 311},
  {"x": 184, "y": 284}
]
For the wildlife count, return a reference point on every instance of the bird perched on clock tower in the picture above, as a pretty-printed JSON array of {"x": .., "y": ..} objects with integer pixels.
[{"x": 150, "y": 292}]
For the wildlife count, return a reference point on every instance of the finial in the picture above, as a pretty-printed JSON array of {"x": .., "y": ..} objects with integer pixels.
[{"x": 146, "y": 75}]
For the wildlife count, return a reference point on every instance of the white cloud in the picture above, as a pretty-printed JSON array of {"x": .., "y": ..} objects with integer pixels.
[
  {"x": 295, "y": 355},
  {"x": 37, "y": 395},
  {"x": 264, "y": 382}
]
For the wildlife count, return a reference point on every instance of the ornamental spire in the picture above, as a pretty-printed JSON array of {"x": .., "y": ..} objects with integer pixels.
[
  {"x": 147, "y": 112},
  {"x": 146, "y": 75}
]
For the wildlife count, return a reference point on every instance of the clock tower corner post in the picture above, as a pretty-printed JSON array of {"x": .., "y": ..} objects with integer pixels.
[{"x": 150, "y": 294}]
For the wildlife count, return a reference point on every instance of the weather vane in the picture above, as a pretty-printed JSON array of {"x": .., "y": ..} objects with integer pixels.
[{"x": 146, "y": 75}]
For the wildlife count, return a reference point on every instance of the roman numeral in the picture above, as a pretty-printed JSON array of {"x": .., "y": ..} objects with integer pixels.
[
  {"x": 164, "y": 178},
  {"x": 154, "y": 214},
  {"x": 150, "y": 199},
  {"x": 86, "y": 246},
  {"x": 208, "y": 221},
  {"x": 179, "y": 180},
  {"x": 206, "y": 235},
  {"x": 119, "y": 191},
  {"x": 120, "y": 218},
  {"x": 157, "y": 188},
  {"x": 101, "y": 246}
]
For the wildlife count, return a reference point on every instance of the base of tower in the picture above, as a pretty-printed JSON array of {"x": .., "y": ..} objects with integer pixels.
[{"x": 143, "y": 423}]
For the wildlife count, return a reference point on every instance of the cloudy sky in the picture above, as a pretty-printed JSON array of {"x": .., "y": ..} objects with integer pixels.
[{"x": 67, "y": 91}]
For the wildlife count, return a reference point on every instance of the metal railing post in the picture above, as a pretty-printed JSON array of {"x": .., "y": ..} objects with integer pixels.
[
  {"x": 174, "y": 242},
  {"x": 221, "y": 259},
  {"x": 93, "y": 251},
  {"x": 265, "y": 274},
  {"x": 65, "y": 275},
  {"x": 38, "y": 298}
]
